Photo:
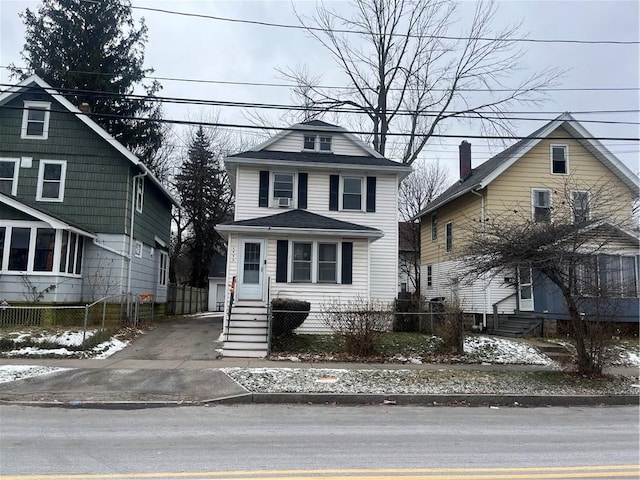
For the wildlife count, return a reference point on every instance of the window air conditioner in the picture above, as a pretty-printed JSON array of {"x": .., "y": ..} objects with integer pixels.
[{"x": 284, "y": 202}]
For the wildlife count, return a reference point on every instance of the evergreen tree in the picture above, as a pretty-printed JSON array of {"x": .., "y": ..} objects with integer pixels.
[
  {"x": 206, "y": 200},
  {"x": 94, "y": 53}
]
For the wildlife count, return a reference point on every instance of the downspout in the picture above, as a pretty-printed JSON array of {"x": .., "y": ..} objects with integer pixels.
[
  {"x": 133, "y": 212},
  {"x": 485, "y": 289}
]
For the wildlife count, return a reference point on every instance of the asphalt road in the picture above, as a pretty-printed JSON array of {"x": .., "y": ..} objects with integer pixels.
[{"x": 311, "y": 442}]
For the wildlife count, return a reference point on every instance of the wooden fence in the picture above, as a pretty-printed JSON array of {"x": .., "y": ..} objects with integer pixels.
[{"x": 183, "y": 299}]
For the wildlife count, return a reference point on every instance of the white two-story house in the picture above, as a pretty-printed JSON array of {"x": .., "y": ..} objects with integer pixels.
[{"x": 316, "y": 219}]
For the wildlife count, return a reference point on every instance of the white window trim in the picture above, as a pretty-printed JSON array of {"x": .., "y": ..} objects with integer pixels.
[
  {"x": 434, "y": 233},
  {"x": 139, "y": 193},
  {"x": 533, "y": 204},
  {"x": 363, "y": 193},
  {"x": 316, "y": 142},
  {"x": 63, "y": 177},
  {"x": 573, "y": 218},
  {"x": 16, "y": 170},
  {"x": 566, "y": 157},
  {"x": 429, "y": 276},
  {"x": 46, "y": 106},
  {"x": 137, "y": 249},
  {"x": 337, "y": 263},
  {"x": 273, "y": 202},
  {"x": 314, "y": 261},
  {"x": 163, "y": 274},
  {"x": 9, "y": 225}
]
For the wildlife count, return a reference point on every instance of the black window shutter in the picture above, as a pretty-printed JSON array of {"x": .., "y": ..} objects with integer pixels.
[
  {"x": 282, "y": 252},
  {"x": 263, "y": 191},
  {"x": 302, "y": 190},
  {"x": 334, "y": 181},
  {"x": 371, "y": 194},
  {"x": 347, "y": 262}
]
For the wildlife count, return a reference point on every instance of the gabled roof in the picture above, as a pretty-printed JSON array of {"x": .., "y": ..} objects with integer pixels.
[
  {"x": 19, "y": 88},
  {"x": 300, "y": 222},
  {"x": 484, "y": 174},
  {"x": 42, "y": 215}
]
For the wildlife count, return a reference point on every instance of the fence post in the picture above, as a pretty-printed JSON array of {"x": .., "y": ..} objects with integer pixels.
[{"x": 86, "y": 318}]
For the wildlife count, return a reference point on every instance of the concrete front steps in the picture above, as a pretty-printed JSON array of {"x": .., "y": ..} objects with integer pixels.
[{"x": 248, "y": 331}]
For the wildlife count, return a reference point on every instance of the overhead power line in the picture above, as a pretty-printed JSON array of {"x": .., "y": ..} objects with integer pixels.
[
  {"x": 293, "y": 128},
  {"x": 338, "y": 87},
  {"x": 361, "y": 32},
  {"x": 472, "y": 115}
]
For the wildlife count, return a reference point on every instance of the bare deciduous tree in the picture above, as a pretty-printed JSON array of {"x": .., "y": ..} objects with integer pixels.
[
  {"x": 409, "y": 74},
  {"x": 564, "y": 246},
  {"x": 424, "y": 184}
]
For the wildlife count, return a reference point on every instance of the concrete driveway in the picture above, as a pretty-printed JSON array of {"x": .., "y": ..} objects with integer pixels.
[{"x": 193, "y": 337}]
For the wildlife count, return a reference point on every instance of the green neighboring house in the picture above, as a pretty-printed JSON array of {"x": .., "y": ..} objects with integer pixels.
[{"x": 81, "y": 217}]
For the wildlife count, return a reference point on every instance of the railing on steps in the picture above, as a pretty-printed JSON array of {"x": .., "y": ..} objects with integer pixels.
[
  {"x": 496, "y": 319},
  {"x": 269, "y": 316}
]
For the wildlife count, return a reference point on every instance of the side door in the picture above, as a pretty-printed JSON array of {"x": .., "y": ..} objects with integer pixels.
[{"x": 525, "y": 289}]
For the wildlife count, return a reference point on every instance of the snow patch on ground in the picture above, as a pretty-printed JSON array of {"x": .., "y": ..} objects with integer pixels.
[
  {"x": 485, "y": 349},
  {"x": 68, "y": 338},
  {"x": 9, "y": 373}
]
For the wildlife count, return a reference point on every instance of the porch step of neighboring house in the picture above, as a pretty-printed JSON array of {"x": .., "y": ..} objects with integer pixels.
[
  {"x": 247, "y": 333},
  {"x": 554, "y": 351},
  {"x": 520, "y": 324}
]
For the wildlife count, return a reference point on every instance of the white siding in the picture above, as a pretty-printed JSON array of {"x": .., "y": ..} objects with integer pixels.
[
  {"x": 475, "y": 297},
  {"x": 340, "y": 145}
]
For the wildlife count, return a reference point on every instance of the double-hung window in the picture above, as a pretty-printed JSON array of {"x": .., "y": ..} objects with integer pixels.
[
  {"x": 51, "y": 179},
  {"x": 9, "y": 176},
  {"x": 448, "y": 229},
  {"x": 163, "y": 274},
  {"x": 559, "y": 159},
  {"x": 580, "y": 206},
  {"x": 434, "y": 226},
  {"x": 19, "y": 249},
  {"x": 309, "y": 142},
  {"x": 327, "y": 262},
  {"x": 325, "y": 144},
  {"x": 541, "y": 204},
  {"x": 283, "y": 185},
  {"x": 45, "y": 247},
  {"x": 35, "y": 120},
  {"x": 352, "y": 193},
  {"x": 302, "y": 254}
]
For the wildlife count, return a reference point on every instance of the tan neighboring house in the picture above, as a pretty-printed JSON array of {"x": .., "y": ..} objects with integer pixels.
[{"x": 557, "y": 165}]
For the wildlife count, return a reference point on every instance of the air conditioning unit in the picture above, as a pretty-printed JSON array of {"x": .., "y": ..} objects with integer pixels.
[{"x": 284, "y": 202}]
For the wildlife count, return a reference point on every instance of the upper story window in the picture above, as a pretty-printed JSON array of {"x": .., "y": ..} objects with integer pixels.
[
  {"x": 541, "y": 204},
  {"x": 580, "y": 206},
  {"x": 51, "y": 179},
  {"x": 434, "y": 226},
  {"x": 35, "y": 120},
  {"x": 283, "y": 185},
  {"x": 559, "y": 159},
  {"x": 352, "y": 193},
  {"x": 139, "y": 194},
  {"x": 321, "y": 143},
  {"x": 448, "y": 236},
  {"x": 9, "y": 168}
]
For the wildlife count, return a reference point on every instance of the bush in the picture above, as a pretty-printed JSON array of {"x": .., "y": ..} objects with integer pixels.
[
  {"x": 451, "y": 328},
  {"x": 287, "y": 315},
  {"x": 361, "y": 322}
]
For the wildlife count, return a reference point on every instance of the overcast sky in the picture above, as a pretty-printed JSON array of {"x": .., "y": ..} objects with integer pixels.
[{"x": 208, "y": 49}]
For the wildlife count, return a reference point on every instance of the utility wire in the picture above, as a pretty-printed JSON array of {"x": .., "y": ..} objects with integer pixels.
[
  {"x": 361, "y": 32},
  {"x": 293, "y": 128},
  {"x": 337, "y": 87},
  {"x": 477, "y": 114}
]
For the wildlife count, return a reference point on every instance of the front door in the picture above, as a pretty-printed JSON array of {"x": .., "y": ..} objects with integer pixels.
[
  {"x": 525, "y": 289},
  {"x": 251, "y": 269}
]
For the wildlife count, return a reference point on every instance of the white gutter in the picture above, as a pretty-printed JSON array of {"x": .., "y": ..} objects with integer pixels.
[{"x": 133, "y": 213}]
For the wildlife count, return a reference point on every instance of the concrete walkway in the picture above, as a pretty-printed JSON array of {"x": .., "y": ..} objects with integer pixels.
[{"x": 177, "y": 363}]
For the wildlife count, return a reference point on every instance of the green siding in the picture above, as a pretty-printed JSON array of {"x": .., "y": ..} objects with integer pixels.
[
  {"x": 8, "y": 213},
  {"x": 98, "y": 177}
]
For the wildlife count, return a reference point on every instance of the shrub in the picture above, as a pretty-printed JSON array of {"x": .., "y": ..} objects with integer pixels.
[
  {"x": 361, "y": 322},
  {"x": 287, "y": 315},
  {"x": 451, "y": 328}
]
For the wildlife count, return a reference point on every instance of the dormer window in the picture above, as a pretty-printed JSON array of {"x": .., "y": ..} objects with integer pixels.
[
  {"x": 35, "y": 120},
  {"x": 325, "y": 144},
  {"x": 318, "y": 143}
]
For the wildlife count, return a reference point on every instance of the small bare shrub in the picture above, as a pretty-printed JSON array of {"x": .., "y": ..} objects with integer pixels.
[
  {"x": 360, "y": 322},
  {"x": 451, "y": 328}
]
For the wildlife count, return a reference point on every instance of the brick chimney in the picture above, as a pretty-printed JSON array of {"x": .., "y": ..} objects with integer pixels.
[
  {"x": 465, "y": 159},
  {"x": 85, "y": 108}
]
